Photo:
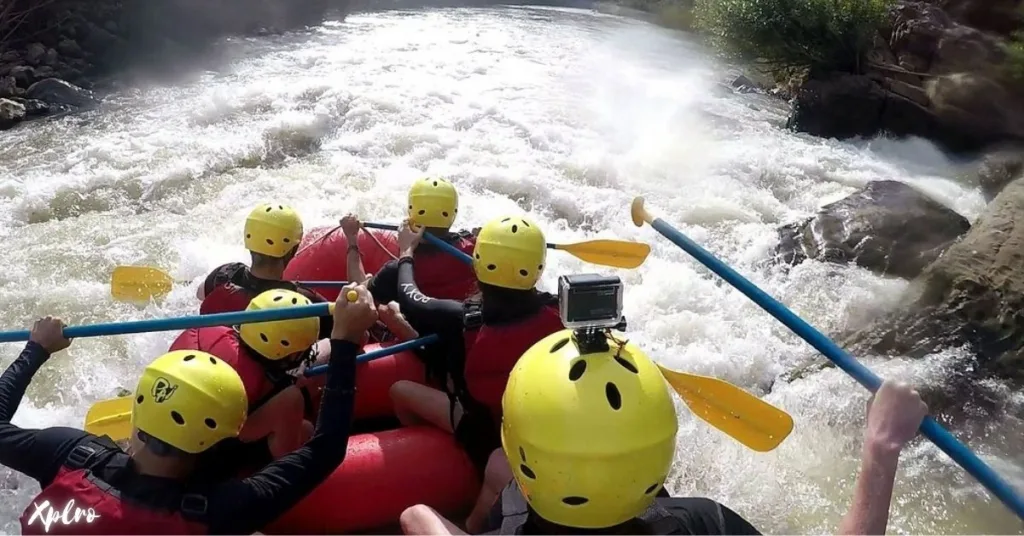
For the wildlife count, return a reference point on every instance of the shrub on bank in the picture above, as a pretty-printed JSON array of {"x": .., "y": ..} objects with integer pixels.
[
  {"x": 1015, "y": 58},
  {"x": 819, "y": 34}
]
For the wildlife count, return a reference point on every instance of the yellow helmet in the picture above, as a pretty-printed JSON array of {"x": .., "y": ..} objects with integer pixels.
[
  {"x": 590, "y": 437},
  {"x": 510, "y": 253},
  {"x": 433, "y": 203},
  {"x": 272, "y": 230},
  {"x": 279, "y": 338},
  {"x": 190, "y": 400}
]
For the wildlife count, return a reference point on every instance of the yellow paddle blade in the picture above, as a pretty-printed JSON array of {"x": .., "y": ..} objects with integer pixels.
[
  {"x": 139, "y": 283},
  {"x": 615, "y": 253},
  {"x": 748, "y": 419},
  {"x": 111, "y": 417}
]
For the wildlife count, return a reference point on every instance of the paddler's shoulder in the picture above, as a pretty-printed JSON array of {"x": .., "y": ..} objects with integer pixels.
[{"x": 699, "y": 515}]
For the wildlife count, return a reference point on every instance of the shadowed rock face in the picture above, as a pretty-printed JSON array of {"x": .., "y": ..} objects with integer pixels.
[
  {"x": 973, "y": 294},
  {"x": 887, "y": 227}
]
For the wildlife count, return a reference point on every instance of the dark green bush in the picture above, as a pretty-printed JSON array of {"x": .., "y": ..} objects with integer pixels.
[
  {"x": 819, "y": 34},
  {"x": 1015, "y": 58}
]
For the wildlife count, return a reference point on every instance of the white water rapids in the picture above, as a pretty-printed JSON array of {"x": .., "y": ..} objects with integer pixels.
[{"x": 566, "y": 114}]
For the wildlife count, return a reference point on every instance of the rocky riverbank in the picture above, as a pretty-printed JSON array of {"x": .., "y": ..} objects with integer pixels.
[{"x": 53, "y": 53}]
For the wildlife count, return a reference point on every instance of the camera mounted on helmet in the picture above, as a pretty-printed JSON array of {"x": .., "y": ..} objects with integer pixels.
[{"x": 591, "y": 305}]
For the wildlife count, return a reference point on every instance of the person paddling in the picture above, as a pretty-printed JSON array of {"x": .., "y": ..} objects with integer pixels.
[
  {"x": 433, "y": 204},
  {"x": 185, "y": 403},
  {"x": 263, "y": 354},
  {"x": 481, "y": 340},
  {"x": 589, "y": 432},
  {"x": 272, "y": 235}
]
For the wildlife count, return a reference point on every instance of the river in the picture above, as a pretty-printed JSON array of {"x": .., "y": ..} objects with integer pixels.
[{"x": 567, "y": 114}]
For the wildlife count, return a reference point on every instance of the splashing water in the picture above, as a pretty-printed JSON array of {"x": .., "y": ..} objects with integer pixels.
[{"x": 563, "y": 113}]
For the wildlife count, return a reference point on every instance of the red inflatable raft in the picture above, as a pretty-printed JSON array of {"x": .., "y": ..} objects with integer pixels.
[
  {"x": 322, "y": 255},
  {"x": 383, "y": 474}
]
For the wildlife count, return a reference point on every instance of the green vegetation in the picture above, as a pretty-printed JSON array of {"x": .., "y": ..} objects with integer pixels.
[
  {"x": 1015, "y": 58},
  {"x": 675, "y": 14},
  {"x": 816, "y": 34}
]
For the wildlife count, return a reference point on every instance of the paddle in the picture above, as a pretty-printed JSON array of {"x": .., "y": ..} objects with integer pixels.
[
  {"x": 748, "y": 419},
  {"x": 112, "y": 417},
  {"x": 929, "y": 428},
  {"x": 614, "y": 253},
  {"x": 142, "y": 283},
  {"x": 182, "y": 322}
]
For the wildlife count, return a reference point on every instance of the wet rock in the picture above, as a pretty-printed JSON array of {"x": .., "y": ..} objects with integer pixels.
[
  {"x": 59, "y": 92},
  {"x": 11, "y": 56},
  {"x": 7, "y": 85},
  {"x": 23, "y": 75},
  {"x": 11, "y": 113},
  {"x": 973, "y": 294},
  {"x": 977, "y": 107},
  {"x": 997, "y": 16},
  {"x": 887, "y": 227},
  {"x": 917, "y": 28},
  {"x": 846, "y": 106},
  {"x": 34, "y": 108},
  {"x": 69, "y": 48},
  {"x": 998, "y": 168},
  {"x": 35, "y": 53},
  {"x": 51, "y": 57}
]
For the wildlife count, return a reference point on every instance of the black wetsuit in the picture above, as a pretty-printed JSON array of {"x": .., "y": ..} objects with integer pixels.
[
  {"x": 239, "y": 506},
  {"x": 240, "y": 275}
]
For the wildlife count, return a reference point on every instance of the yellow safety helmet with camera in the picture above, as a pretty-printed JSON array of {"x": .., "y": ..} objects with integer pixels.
[{"x": 590, "y": 436}]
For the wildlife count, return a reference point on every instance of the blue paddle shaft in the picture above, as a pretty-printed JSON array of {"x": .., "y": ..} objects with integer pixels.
[
  {"x": 383, "y": 352},
  {"x": 181, "y": 322},
  {"x": 929, "y": 428},
  {"x": 448, "y": 248}
]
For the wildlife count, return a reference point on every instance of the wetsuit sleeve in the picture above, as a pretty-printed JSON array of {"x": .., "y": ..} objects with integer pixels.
[
  {"x": 426, "y": 314},
  {"x": 248, "y": 505},
  {"x": 383, "y": 285},
  {"x": 36, "y": 453},
  {"x": 220, "y": 275},
  {"x": 704, "y": 516}
]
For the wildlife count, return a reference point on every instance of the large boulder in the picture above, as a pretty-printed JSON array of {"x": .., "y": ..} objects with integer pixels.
[
  {"x": 999, "y": 168},
  {"x": 11, "y": 113},
  {"x": 973, "y": 294},
  {"x": 997, "y": 16},
  {"x": 58, "y": 92},
  {"x": 887, "y": 227}
]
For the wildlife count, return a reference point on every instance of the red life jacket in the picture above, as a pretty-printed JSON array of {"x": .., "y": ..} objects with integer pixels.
[
  {"x": 81, "y": 500},
  {"x": 442, "y": 275},
  {"x": 223, "y": 342},
  {"x": 229, "y": 296},
  {"x": 493, "y": 350}
]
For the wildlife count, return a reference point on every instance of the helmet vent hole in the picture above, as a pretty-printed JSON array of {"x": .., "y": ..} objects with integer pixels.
[
  {"x": 505, "y": 220},
  {"x": 525, "y": 223},
  {"x": 210, "y": 423},
  {"x": 189, "y": 357},
  {"x": 139, "y": 399},
  {"x": 626, "y": 364},
  {"x": 278, "y": 298},
  {"x": 270, "y": 242},
  {"x": 575, "y": 501},
  {"x": 492, "y": 267},
  {"x": 613, "y": 395},
  {"x": 540, "y": 267},
  {"x": 285, "y": 343},
  {"x": 213, "y": 361},
  {"x": 652, "y": 488},
  {"x": 522, "y": 454},
  {"x": 178, "y": 419},
  {"x": 577, "y": 370},
  {"x": 263, "y": 337},
  {"x": 560, "y": 344},
  {"x": 524, "y": 273},
  {"x": 527, "y": 472},
  {"x": 247, "y": 235},
  {"x": 295, "y": 301},
  {"x": 286, "y": 240},
  {"x": 422, "y": 212},
  {"x": 279, "y": 207},
  {"x": 477, "y": 255},
  {"x": 515, "y": 228},
  {"x": 444, "y": 213},
  {"x": 269, "y": 209}
]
